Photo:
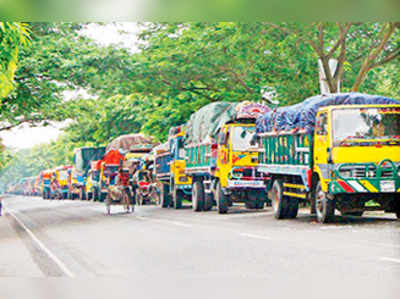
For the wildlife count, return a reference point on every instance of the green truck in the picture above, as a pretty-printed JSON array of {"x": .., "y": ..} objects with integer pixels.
[{"x": 81, "y": 165}]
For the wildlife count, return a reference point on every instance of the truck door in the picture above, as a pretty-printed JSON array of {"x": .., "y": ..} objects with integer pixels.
[{"x": 321, "y": 141}]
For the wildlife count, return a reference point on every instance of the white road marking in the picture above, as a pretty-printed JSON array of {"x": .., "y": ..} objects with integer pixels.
[
  {"x": 389, "y": 259},
  {"x": 165, "y": 221},
  {"x": 255, "y": 236},
  {"x": 55, "y": 259}
]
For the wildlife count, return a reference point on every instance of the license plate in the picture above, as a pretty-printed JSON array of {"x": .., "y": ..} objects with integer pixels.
[
  {"x": 387, "y": 186},
  {"x": 245, "y": 184}
]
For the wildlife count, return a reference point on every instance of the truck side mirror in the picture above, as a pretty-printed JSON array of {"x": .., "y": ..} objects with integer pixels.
[
  {"x": 330, "y": 160},
  {"x": 222, "y": 138}
]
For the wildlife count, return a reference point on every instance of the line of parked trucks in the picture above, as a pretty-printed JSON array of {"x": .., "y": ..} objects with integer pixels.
[{"x": 335, "y": 152}]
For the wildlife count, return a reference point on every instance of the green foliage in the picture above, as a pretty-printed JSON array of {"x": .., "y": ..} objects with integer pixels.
[
  {"x": 180, "y": 67},
  {"x": 13, "y": 36}
]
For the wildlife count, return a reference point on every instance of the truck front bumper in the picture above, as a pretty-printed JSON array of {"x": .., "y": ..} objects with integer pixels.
[
  {"x": 252, "y": 184},
  {"x": 365, "y": 185}
]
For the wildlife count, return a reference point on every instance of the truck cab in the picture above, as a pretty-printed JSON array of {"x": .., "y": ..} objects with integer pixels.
[
  {"x": 357, "y": 155},
  {"x": 236, "y": 167},
  {"x": 223, "y": 164}
]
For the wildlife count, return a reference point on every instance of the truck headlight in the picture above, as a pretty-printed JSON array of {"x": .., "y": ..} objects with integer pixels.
[{"x": 183, "y": 179}]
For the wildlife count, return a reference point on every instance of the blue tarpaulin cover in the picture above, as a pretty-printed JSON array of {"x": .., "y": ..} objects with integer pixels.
[{"x": 302, "y": 116}]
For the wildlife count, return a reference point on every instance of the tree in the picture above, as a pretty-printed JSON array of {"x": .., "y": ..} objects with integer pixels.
[
  {"x": 13, "y": 36},
  {"x": 363, "y": 46},
  {"x": 60, "y": 59}
]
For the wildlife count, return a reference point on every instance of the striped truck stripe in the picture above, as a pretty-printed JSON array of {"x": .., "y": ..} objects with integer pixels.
[
  {"x": 357, "y": 186},
  {"x": 345, "y": 186},
  {"x": 369, "y": 186}
]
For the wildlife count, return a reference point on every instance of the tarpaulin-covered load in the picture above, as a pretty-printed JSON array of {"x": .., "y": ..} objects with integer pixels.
[
  {"x": 160, "y": 149},
  {"x": 206, "y": 122},
  {"x": 132, "y": 143},
  {"x": 113, "y": 157},
  {"x": 302, "y": 116},
  {"x": 84, "y": 155}
]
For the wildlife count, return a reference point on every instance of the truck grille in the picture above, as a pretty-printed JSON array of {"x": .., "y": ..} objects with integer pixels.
[{"x": 361, "y": 172}]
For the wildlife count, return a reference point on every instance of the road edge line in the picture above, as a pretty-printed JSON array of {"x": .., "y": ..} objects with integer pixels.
[{"x": 43, "y": 247}]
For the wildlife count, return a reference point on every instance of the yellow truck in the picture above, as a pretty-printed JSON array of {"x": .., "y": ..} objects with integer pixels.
[
  {"x": 339, "y": 152},
  {"x": 222, "y": 159}
]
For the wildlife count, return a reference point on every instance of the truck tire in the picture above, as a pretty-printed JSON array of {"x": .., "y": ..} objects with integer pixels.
[
  {"x": 82, "y": 194},
  {"x": 398, "y": 214},
  {"x": 164, "y": 197},
  {"x": 293, "y": 208},
  {"x": 251, "y": 200},
  {"x": 261, "y": 199},
  {"x": 197, "y": 196},
  {"x": 208, "y": 202},
  {"x": 222, "y": 200},
  {"x": 279, "y": 201},
  {"x": 177, "y": 196},
  {"x": 325, "y": 208},
  {"x": 89, "y": 195},
  {"x": 102, "y": 196},
  {"x": 95, "y": 193}
]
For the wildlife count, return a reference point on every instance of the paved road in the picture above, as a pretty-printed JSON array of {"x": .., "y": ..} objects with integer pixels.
[{"x": 157, "y": 253}]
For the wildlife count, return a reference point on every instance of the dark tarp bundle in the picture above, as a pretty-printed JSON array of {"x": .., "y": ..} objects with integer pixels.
[{"x": 302, "y": 116}]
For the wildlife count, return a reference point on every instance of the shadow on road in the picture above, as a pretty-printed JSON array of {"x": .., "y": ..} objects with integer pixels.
[{"x": 349, "y": 220}]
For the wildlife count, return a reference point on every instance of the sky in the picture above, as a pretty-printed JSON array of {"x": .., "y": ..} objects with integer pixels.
[{"x": 24, "y": 136}]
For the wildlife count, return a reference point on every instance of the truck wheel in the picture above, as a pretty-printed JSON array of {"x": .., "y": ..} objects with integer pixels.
[
  {"x": 164, "y": 197},
  {"x": 398, "y": 214},
  {"x": 251, "y": 200},
  {"x": 95, "y": 195},
  {"x": 208, "y": 202},
  {"x": 197, "y": 196},
  {"x": 261, "y": 196},
  {"x": 103, "y": 196},
  {"x": 65, "y": 195},
  {"x": 82, "y": 194},
  {"x": 89, "y": 195},
  {"x": 279, "y": 201},
  {"x": 177, "y": 197},
  {"x": 222, "y": 200},
  {"x": 293, "y": 208},
  {"x": 325, "y": 207}
]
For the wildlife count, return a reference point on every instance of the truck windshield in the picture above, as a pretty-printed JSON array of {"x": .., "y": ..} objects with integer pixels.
[
  {"x": 242, "y": 137},
  {"x": 366, "y": 125}
]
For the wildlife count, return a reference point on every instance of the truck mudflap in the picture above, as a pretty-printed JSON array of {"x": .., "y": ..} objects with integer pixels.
[
  {"x": 366, "y": 178},
  {"x": 256, "y": 184}
]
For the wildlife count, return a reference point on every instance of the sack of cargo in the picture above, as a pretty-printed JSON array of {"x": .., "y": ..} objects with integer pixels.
[
  {"x": 302, "y": 116},
  {"x": 132, "y": 143}
]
